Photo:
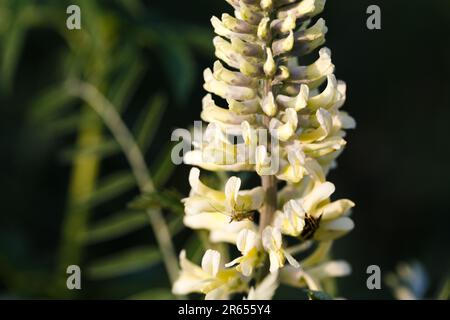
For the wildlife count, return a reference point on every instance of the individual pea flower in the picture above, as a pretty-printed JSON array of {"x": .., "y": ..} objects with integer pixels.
[
  {"x": 211, "y": 279},
  {"x": 314, "y": 216},
  {"x": 226, "y": 119},
  {"x": 248, "y": 243},
  {"x": 216, "y": 153},
  {"x": 235, "y": 203},
  {"x": 223, "y": 213},
  {"x": 294, "y": 163},
  {"x": 272, "y": 243},
  {"x": 315, "y": 268}
]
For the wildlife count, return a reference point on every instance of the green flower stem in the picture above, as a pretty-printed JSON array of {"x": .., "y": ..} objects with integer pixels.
[
  {"x": 83, "y": 179},
  {"x": 111, "y": 118}
]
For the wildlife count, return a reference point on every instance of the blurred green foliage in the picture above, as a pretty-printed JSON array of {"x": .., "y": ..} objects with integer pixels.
[{"x": 110, "y": 52}]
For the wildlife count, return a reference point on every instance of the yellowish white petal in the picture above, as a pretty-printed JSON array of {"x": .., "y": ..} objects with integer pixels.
[
  {"x": 265, "y": 290},
  {"x": 211, "y": 262}
]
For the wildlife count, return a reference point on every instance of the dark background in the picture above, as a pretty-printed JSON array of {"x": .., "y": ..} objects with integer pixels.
[{"x": 395, "y": 166}]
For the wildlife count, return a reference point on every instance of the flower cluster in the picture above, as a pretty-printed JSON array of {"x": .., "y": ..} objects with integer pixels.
[{"x": 283, "y": 121}]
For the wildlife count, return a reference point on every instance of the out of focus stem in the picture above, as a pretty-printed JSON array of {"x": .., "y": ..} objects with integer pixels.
[
  {"x": 83, "y": 179},
  {"x": 111, "y": 118}
]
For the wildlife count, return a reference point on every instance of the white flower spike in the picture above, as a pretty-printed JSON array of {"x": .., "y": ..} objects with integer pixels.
[{"x": 280, "y": 123}]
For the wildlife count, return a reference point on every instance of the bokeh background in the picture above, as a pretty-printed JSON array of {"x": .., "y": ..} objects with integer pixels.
[{"x": 65, "y": 186}]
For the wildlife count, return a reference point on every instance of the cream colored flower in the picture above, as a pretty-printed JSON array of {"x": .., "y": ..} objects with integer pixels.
[
  {"x": 272, "y": 243},
  {"x": 293, "y": 218},
  {"x": 224, "y": 118},
  {"x": 248, "y": 243},
  {"x": 315, "y": 74},
  {"x": 264, "y": 165},
  {"x": 216, "y": 153},
  {"x": 333, "y": 96},
  {"x": 232, "y": 202},
  {"x": 211, "y": 278},
  {"x": 294, "y": 165},
  {"x": 313, "y": 215},
  {"x": 224, "y": 213},
  {"x": 285, "y": 128},
  {"x": 298, "y": 102},
  {"x": 219, "y": 225}
]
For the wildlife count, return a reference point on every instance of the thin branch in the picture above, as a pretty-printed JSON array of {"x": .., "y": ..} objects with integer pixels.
[{"x": 104, "y": 108}]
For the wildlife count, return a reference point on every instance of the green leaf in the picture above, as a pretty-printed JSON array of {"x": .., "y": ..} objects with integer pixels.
[
  {"x": 149, "y": 121},
  {"x": 124, "y": 263},
  {"x": 444, "y": 292},
  {"x": 63, "y": 125},
  {"x": 167, "y": 199},
  {"x": 135, "y": 7},
  {"x": 200, "y": 39},
  {"x": 163, "y": 167},
  {"x": 194, "y": 247},
  {"x": 102, "y": 150},
  {"x": 49, "y": 105},
  {"x": 154, "y": 294},
  {"x": 111, "y": 187},
  {"x": 12, "y": 47},
  {"x": 176, "y": 225},
  {"x": 178, "y": 65},
  {"x": 116, "y": 226},
  {"x": 124, "y": 88},
  {"x": 318, "y": 295}
]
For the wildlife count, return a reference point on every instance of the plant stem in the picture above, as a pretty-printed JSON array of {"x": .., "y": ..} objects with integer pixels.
[
  {"x": 83, "y": 178},
  {"x": 269, "y": 184},
  {"x": 113, "y": 121}
]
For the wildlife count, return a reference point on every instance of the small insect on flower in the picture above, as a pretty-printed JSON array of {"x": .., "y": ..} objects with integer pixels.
[
  {"x": 311, "y": 226},
  {"x": 240, "y": 215},
  {"x": 241, "y": 204},
  {"x": 237, "y": 214}
]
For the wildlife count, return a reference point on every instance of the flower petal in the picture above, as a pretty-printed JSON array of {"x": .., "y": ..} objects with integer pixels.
[
  {"x": 232, "y": 190},
  {"x": 211, "y": 262}
]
